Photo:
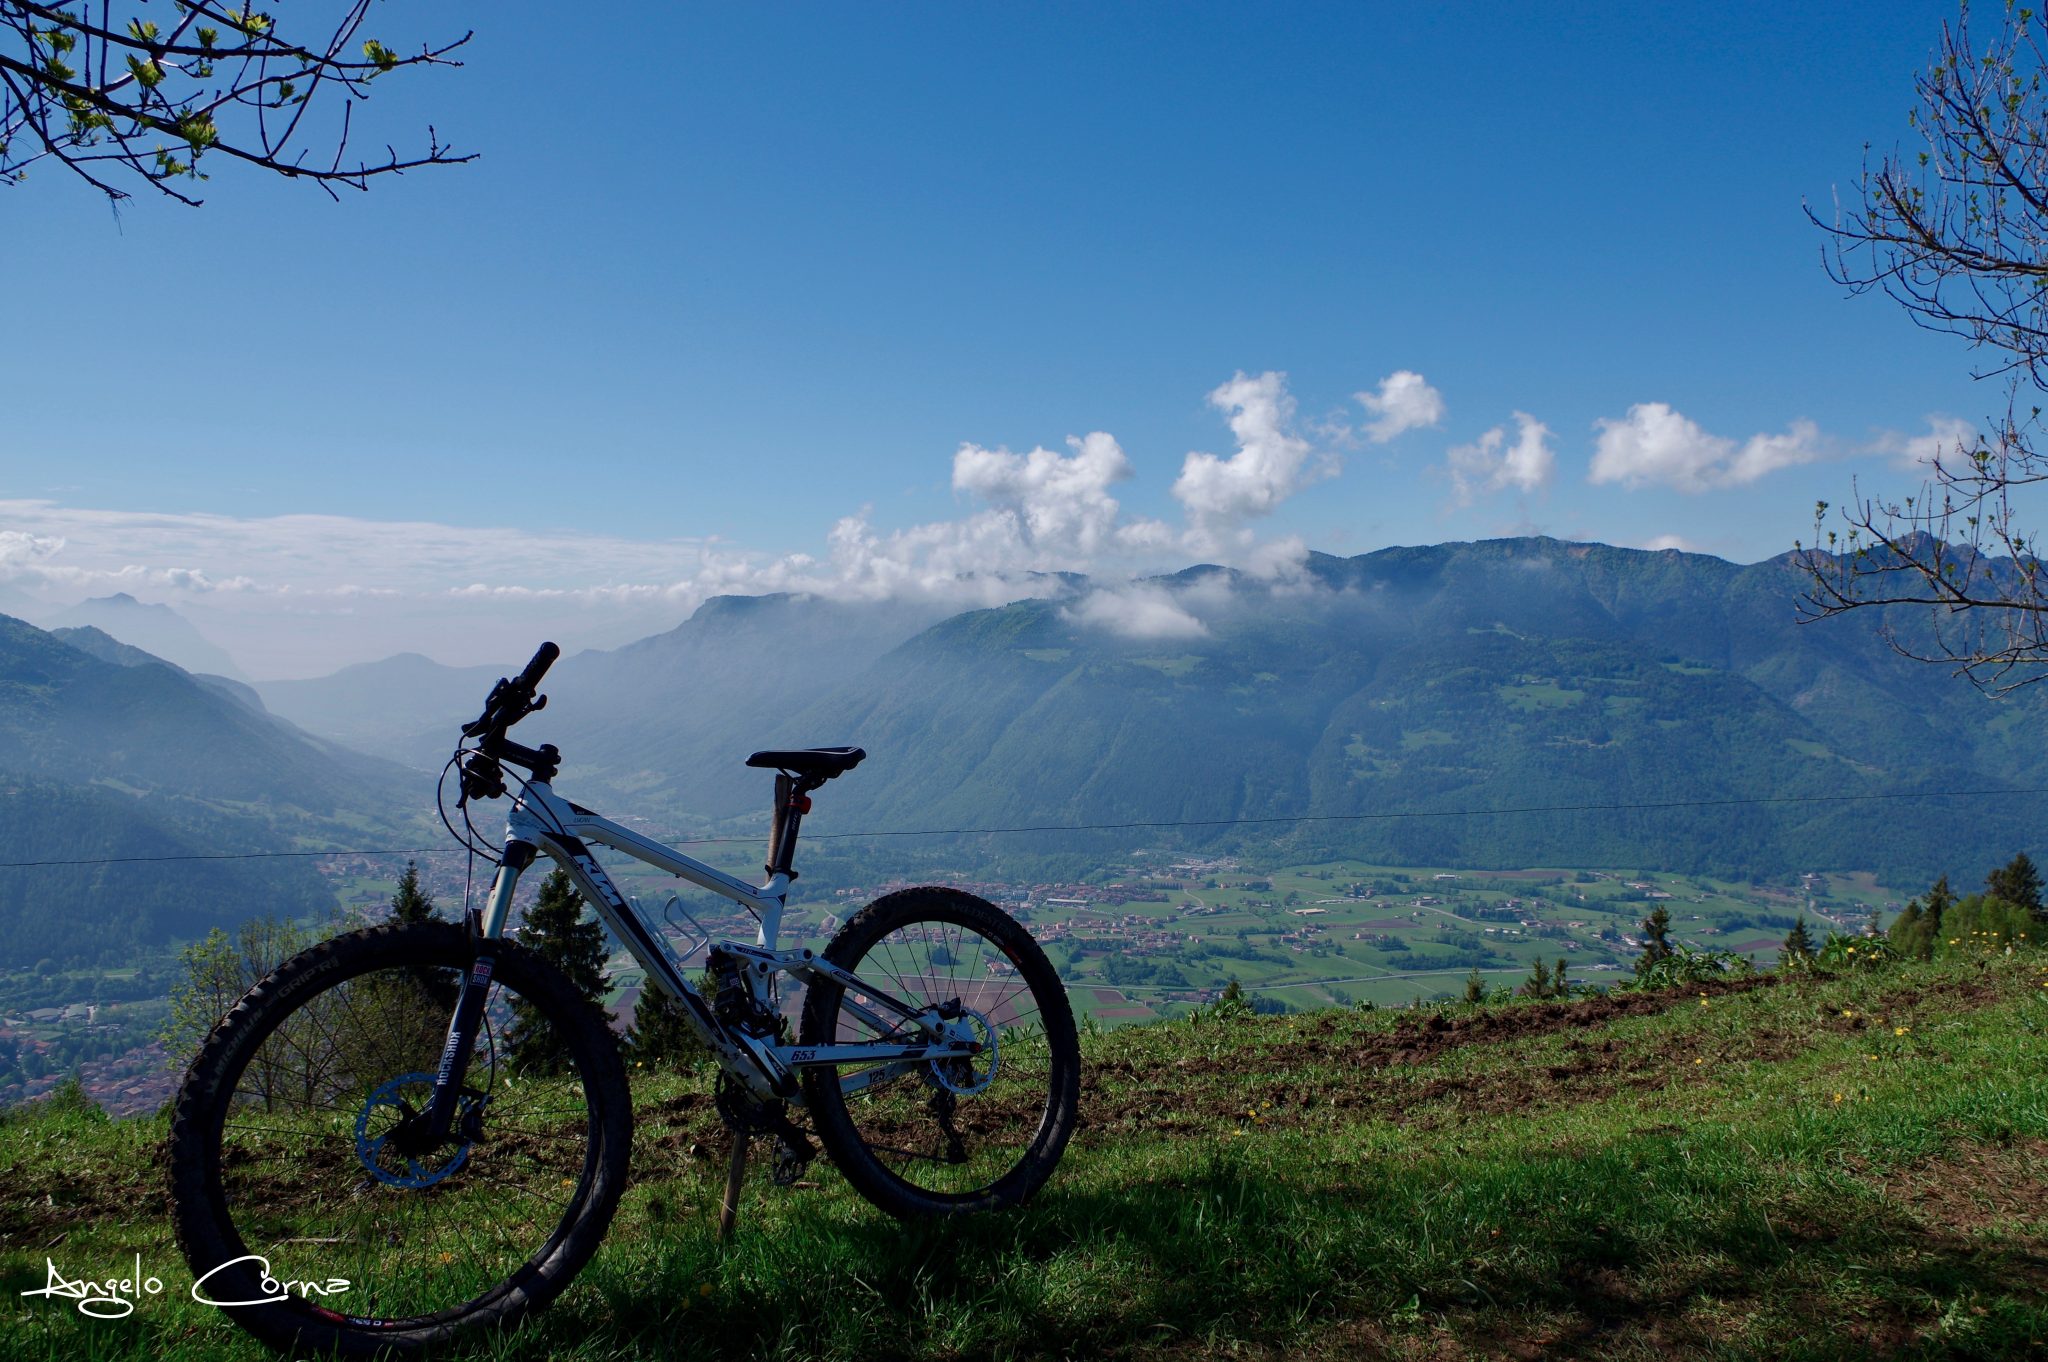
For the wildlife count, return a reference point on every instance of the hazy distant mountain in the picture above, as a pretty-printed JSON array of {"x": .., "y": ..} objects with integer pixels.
[
  {"x": 156, "y": 629},
  {"x": 107, "y": 648},
  {"x": 1502, "y": 674},
  {"x": 406, "y": 708},
  {"x": 671, "y": 717},
  {"x": 720, "y": 682},
  {"x": 1413, "y": 681},
  {"x": 134, "y": 757},
  {"x": 1505, "y": 674}
]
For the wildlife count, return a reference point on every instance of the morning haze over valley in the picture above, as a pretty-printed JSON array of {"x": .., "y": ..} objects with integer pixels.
[{"x": 1446, "y": 603}]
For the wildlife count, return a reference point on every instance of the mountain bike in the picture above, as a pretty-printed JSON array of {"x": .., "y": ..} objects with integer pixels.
[{"x": 410, "y": 1131}]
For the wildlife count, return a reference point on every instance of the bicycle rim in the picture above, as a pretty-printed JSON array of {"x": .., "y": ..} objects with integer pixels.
[
  {"x": 954, "y": 1131},
  {"x": 312, "y": 1183}
]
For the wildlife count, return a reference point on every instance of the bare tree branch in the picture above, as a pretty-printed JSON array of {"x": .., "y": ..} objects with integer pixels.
[
  {"x": 1957, "y": 234},
  {"x": 205, "y": 86}
]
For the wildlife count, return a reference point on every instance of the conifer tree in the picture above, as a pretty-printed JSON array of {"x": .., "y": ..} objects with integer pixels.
[
  {"x": 1798, "y": 945},
  {"x": 1912, "y": 933},
  {"x": 411, "y": 903},
  {"x": 1656, "y": 946},
  {"x": 1537, "y": 985},
  {"x": 436, "y": 990},
  {"x": 1475, "y": 987},
  {"x": 661, "y": 1028},
  {"x": 1560, "y": 987},
  {"x": 2018, "y": 883},
  {"x": 1940, "y": 898},
  {"x": 557, "y": 931}
]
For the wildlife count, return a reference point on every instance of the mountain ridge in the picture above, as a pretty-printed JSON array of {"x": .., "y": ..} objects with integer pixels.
[
  {"x": 1381, "y": 699},
  {"x": 106, "y": 763}
]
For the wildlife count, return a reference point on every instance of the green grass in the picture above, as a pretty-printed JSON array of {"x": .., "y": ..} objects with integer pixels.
[
  {"x": 1531, "y": 696},
  {"x": 1777, "y": 1172}
]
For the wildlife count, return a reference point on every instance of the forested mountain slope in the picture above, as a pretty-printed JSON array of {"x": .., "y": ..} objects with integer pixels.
[
  {"x": 1411, "y": 681},
  {"x": 134, "y": 757},
  {"x": 1506, "y": 674}
]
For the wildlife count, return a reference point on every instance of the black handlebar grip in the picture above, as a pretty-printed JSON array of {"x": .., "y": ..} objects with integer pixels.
[{"x": 543, "y": 658}]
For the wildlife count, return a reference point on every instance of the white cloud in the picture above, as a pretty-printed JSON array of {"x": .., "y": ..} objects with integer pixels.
[
  {"x": 297, "y": 595},
  {"x": 1057, "y": 506},
  {"x": 1140, "y": 611},
  {"x": 1654, "y": 444},
  {"x": 1670, "y": 541},
  {"x": 19, "y": 550},
  {"x": 1491, "y": 464},
  {"x": 1272, "y": 463},
  {"x": 1278, "y": 560},
  {"x": 1945, "y": 437},
  {"x": 1404, "y": 402}
]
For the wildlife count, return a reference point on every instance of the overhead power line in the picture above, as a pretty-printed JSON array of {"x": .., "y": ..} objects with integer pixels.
[{"x": 1515, "y": 811}]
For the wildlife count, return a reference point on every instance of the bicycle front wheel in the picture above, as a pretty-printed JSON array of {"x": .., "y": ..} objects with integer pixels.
[
  {"x": 954, "y": 1136},
  {"x": 304, "y": 1203}
]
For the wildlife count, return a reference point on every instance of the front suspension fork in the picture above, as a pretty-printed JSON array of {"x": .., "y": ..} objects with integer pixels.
[{"x": 469, "y": 1009}]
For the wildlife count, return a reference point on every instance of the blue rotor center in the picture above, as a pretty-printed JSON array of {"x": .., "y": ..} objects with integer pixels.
[{"x": 385, "y": 1162}]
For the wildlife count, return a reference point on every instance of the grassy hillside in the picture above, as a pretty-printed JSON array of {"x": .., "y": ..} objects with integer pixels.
[{"x": 1844, "y": 1168}]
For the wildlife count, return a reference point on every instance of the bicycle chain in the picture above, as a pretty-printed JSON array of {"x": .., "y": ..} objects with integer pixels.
[{"x": 941, "y": 1105}]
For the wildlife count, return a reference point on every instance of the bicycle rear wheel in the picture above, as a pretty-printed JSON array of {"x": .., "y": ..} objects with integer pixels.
[
  {"x": 290, "y": 1172},
  {"x": 955, "y": 1136}
]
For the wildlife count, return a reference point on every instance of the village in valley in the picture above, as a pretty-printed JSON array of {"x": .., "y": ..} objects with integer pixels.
[
  {"x": 1145, "y": 941},
  {"x": 1165, "y": 933}
]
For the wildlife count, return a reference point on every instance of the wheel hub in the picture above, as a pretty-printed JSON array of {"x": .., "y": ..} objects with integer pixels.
[
  {"x": 970, "y": 1073},
  {"x": 390, "y": 1133}
]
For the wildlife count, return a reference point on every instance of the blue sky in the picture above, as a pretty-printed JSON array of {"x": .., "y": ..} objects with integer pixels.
[{"x": 723, "y": 281}]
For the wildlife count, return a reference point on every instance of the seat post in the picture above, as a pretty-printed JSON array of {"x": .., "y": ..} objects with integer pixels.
[{"x": 792, "y": 802}]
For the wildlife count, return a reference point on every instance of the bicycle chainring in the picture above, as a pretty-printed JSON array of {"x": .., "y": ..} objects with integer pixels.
[{"x": 747, "y": 1115}]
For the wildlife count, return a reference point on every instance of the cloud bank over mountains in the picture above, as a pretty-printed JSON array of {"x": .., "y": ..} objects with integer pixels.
[
  {"x": 1490, "y": 464},
  {"x": 302, "y": 594}
]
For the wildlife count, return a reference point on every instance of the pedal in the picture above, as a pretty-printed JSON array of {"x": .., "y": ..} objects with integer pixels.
[
  {"x": 793, "y": 1149},
  {"x": 791, "y": 1160}
]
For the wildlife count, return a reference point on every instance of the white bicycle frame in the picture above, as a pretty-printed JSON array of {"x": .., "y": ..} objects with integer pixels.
[{"x": 540, "y": 820}]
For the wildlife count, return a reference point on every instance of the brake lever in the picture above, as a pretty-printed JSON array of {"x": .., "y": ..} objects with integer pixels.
[{"x": 479, "y": 725}]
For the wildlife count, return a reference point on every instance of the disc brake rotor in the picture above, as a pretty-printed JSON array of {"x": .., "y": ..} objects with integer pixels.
[
  {"x": 966, "y": 1075},
  {"x": 386, "y": 1111}
]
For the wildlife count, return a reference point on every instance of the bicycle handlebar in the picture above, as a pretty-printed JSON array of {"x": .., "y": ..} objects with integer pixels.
[
  {"x": 543, "y": 658},
  {"x": 508, "y": 703},
  {"x": 511, "y": 701}
]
